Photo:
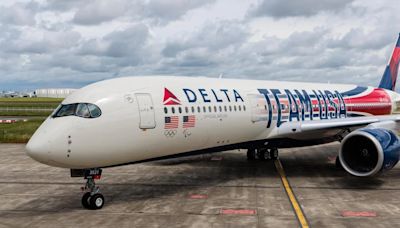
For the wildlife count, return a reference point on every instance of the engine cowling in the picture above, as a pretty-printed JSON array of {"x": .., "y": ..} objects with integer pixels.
[{"x": 369, "y": 151}]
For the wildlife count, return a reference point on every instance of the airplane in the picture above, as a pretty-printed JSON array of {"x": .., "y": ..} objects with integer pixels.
[{"x": 129, "y": 120}]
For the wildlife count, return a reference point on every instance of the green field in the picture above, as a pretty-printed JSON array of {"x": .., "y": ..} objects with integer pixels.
[
  {"x": 19, "y": 132},
  {"x": 28, "y": 106}
]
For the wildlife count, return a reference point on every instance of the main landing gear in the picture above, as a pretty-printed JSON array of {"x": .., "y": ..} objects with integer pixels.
[
  {"x": 92, "y": 198},
  {"x": 262, "y": 154}
]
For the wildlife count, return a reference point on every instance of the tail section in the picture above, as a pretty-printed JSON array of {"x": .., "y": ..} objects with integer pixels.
[{"x": 389, "y": 77}]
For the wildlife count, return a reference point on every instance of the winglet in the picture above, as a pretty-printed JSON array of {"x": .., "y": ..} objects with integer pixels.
[{"x": 389, "y": 77}]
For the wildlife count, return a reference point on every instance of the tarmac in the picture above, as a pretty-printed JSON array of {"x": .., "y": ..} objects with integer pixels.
[{"x": 213, "y": 190}]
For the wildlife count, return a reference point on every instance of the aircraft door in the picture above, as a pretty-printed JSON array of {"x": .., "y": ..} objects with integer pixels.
[
  {"x": 258, "y": 107},
  {"x": 146, "y": 111}
]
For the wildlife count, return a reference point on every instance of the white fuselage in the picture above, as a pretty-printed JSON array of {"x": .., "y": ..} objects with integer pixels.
[{"x": 150, "y": 117}]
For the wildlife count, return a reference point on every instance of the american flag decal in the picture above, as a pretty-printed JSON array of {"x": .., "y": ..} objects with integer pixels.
[
  {"x": 189, "y": 121},
  {"x": 171, "y": 122}
]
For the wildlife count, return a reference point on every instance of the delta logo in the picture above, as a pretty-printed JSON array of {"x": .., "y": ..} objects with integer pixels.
[{"x": 170, "y": 98}]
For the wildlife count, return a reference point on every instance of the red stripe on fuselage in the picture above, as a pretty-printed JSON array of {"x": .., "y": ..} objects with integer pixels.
[{"x": 377, "y": 102}]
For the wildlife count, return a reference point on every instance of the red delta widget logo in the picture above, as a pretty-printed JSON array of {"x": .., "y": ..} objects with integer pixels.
[{"x": 203, "y": 95}]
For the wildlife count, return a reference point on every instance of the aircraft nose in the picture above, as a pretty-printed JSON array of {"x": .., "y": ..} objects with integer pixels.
[{"x": 37, "y": 148}]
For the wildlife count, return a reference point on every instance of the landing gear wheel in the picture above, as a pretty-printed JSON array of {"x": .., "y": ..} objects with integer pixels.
[
  {"x": 263, "y": 154},
  {"x": 85, "y": 200},
  {"x": 96, "y": 201},
  {"x": 251, "y": 154},
  {"x": 274, "y": 153},
  {"x": 92, "y": 199}
]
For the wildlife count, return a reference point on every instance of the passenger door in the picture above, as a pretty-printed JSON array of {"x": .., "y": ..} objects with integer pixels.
[
  {"x": 146, "y": 111},
  {"x": 258, "y": 107}
]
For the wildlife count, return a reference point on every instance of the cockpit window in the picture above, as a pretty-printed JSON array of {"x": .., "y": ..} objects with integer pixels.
[
  {"x": 94, "y": 110},
  {"x": 66, "y": 110},
  {"x": 84, "y": 110}
]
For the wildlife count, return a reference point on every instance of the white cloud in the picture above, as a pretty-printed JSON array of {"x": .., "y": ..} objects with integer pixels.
[{"x": 75, "y": 42}]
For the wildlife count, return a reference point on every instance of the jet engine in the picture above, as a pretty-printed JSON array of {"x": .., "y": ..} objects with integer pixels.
[{"x": 369, "y": 151}]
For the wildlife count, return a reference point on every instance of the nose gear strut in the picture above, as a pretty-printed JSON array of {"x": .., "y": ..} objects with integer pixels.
[{"x": 92, "y": 198}]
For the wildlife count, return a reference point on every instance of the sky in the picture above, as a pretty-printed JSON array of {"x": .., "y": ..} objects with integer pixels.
[{"x": 69, "y": 44}]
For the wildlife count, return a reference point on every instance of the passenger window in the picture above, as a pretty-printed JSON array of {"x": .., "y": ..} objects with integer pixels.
[
  {"x": 198, "y": 109},
  {"x": 225, "y": 108},
  {"x": 186, "y": 109},
  {"x": 240, "y": 108},
  {"x": 215, "y": 108},
  {"x": 230, "y": 108},
  {"x": 244, "y": 107},
  {"x": 209, "y": 109},
  {"x": 173, "y": 110},
  {"x": 192, "y": 109},
  {"x": 165, "y": 110},
  {"x": 180, "y": 110},
  {"x": 234, "y": 108},
  {"x": 220, "y": 109},
  {"x": 204, "y": 109}
]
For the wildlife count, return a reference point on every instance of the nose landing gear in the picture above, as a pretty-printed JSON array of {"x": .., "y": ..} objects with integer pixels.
[{"x": 92, "y": 198}]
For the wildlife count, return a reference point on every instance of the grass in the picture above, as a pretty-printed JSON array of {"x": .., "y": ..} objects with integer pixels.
[
  {"x": 25, "y": 113},
  {"x": 19, "y": 132},
  {"x": 28, "y": 106}
]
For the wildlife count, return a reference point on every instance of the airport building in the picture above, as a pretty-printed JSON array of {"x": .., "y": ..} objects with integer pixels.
[{"x": 54, "y": 93}]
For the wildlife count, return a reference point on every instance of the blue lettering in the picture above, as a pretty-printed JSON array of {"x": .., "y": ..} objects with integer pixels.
[
  {"x": 325, "y": 114},
  {"x": 329, "y": 95},
  {"x": 204, "y": 95},
  {"x": 237, "y": 96},
  {"x": 294, "y": 109},
  {"x": 226, "y": 94},
  {"x": 276, "y": 92},
  {"x": 265, "y": 93},
  {"x": 190, "y": 95},
  {"x": 215, "y": 95},
  {"x": 342, "y": 105},
  {"x": 307, "y": 104}
]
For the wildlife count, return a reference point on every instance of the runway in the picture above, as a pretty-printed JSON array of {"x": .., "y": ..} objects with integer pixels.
[{"x": 217, "y": 190}]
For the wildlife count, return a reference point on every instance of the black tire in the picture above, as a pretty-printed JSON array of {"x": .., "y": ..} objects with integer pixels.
[
  {"x": 263, "y": 154},
  {"x": 274, "y": 154},
  {"x": 96, "y": 201},
  {"x": 251, "y": 154},
  {"x": 86, "y": 200}
]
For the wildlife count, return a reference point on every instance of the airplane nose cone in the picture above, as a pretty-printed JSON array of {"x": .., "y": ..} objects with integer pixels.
[{"x": 38, "y": 150}]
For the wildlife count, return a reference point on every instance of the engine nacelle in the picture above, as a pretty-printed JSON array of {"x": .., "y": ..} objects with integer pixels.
[{"x": 369, "y": 151}]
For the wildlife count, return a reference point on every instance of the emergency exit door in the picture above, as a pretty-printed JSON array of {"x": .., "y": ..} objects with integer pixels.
[{"x": 146, "y": 111}]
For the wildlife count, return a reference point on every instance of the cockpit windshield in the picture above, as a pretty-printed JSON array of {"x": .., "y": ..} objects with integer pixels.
[{"x": 84, "y": 110}]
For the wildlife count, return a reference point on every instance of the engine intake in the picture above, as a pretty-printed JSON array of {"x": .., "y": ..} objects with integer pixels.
[{"x": 369, "y": 151}]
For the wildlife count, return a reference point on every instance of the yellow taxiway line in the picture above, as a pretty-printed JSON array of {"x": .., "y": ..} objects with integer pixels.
[{"x": 292, "y": 198}]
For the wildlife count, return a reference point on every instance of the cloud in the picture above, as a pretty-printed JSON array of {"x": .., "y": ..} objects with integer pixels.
[
  {"x": 18, "y": 14},
  {"x": 298, "y": 8},
  {"x": 100, "y": 11},
  {"x": 155, "y": 11},
  {"x": 72, "y": 43},
  {"x": 172, "y": 10}
]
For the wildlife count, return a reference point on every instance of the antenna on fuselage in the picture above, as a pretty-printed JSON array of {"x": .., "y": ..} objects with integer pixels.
[{"x": 220, "y": 75}]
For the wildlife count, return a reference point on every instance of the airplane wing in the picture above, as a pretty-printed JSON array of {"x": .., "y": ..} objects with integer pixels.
[{"x": 386, "y": 121}]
